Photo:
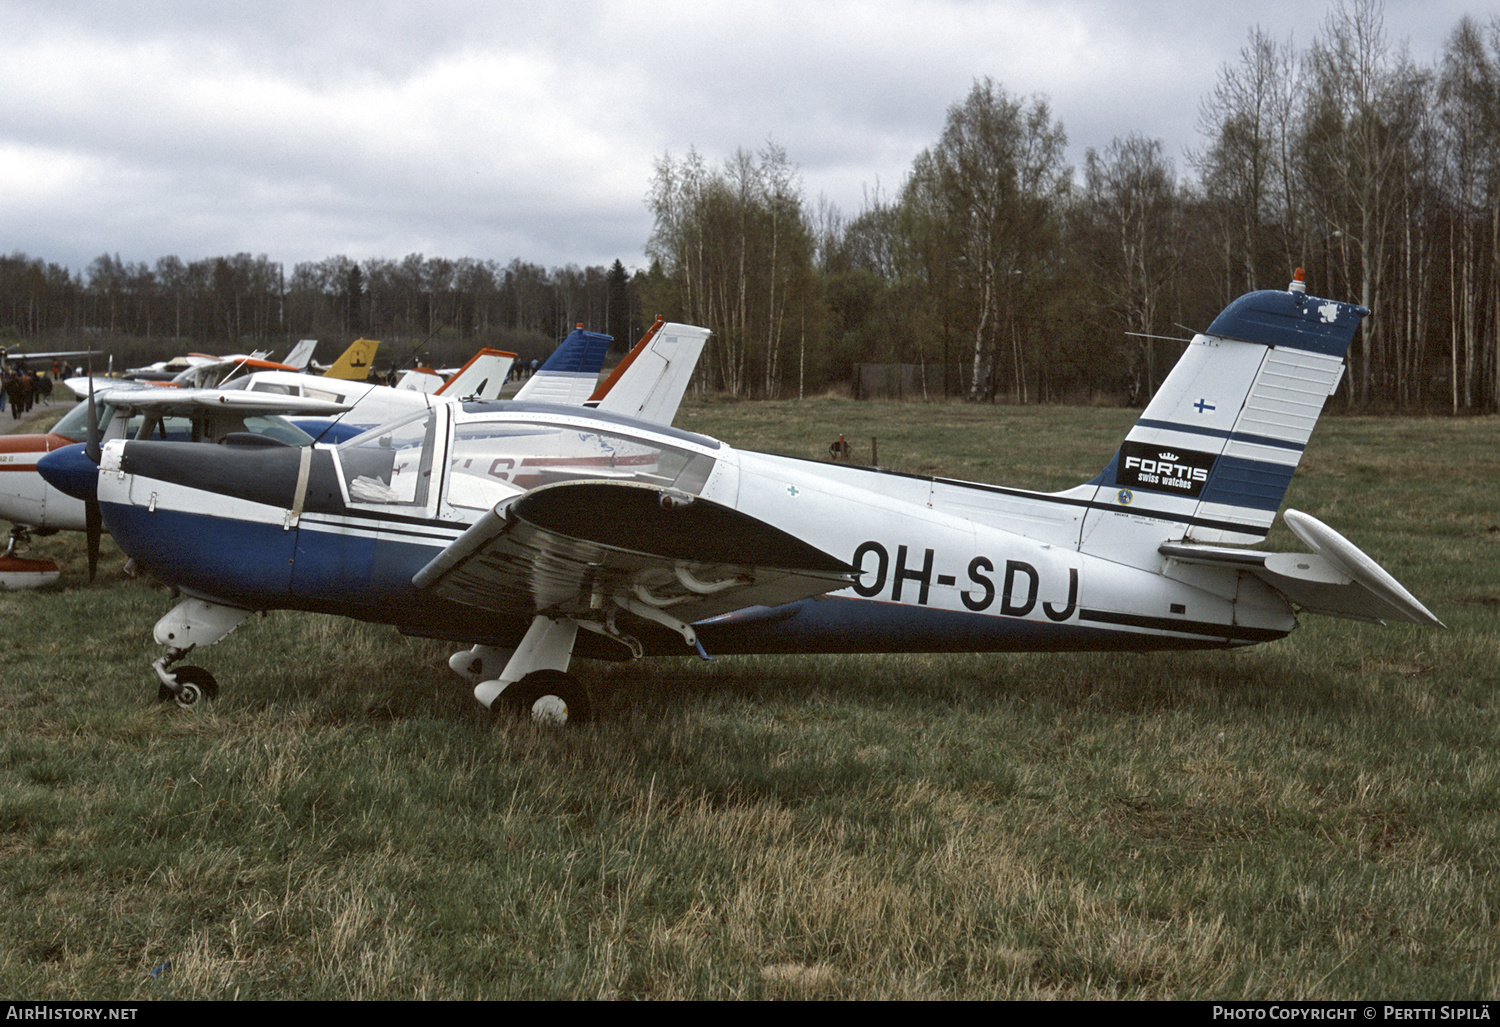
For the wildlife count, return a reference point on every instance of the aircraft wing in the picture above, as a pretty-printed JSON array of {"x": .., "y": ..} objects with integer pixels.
[
  {"x": 80, "y": 386},
  {"x": 1336, "y": 579},
  {"x": 589, "y": 549},
  {"x": 50, "y": 354},
  {"x": 185, "y": 402}
]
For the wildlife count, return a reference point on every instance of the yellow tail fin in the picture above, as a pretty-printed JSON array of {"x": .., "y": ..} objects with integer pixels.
[{"x": 354, "y": 365}]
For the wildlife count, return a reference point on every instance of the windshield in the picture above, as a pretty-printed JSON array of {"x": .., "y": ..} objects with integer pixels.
[
  {"x": 75, "y": 423},
  {"x": 491, "y": 460}
]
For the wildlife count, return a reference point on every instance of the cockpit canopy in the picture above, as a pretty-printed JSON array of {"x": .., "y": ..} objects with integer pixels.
[{"x": 490, "y": 454}]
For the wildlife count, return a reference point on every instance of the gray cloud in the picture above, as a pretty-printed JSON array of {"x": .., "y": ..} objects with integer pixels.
[{"x": 462, "y": 128}]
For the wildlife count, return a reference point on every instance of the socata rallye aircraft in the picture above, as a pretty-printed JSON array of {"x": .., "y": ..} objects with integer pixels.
[{"x": 534, "y": 532}]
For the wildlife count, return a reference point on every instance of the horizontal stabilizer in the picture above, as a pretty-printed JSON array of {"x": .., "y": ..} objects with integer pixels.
[{"x": 1336, "y": 579}]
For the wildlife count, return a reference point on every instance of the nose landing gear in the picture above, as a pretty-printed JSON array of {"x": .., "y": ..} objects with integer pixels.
[
  {"x": 189, "y": 624},
  {"x": 186, "y": 686}
]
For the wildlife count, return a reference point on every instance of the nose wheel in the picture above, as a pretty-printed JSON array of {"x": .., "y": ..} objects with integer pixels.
[{"x": 186, "y": 686}]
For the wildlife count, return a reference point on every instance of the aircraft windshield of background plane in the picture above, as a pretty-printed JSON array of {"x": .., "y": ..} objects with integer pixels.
[
  {"x": 492, "y": 460},
  {"x": 75, "y": 425}
]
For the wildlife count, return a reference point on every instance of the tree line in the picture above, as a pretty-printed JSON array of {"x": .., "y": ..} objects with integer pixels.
[
  {"x": 430, "y": 307},
  {"x": 1000, "y": 265},
  {"x": 995, "y": 269}
]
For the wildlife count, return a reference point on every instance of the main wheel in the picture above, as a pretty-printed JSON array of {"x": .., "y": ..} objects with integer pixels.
[
  {"x": 196, "y": 684},
  {"x": 549, "y": 697}
]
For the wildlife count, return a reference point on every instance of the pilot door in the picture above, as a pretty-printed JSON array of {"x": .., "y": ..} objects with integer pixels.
[{"x": 368, "y": 522}]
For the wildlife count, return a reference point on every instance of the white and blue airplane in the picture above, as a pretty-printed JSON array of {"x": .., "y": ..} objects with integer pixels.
[{"x": 532, "y": 533}]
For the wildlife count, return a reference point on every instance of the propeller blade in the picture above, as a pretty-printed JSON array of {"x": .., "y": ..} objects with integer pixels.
[
  {"x": 93, "y": 447},
  {"x": 93, "y": 526}
]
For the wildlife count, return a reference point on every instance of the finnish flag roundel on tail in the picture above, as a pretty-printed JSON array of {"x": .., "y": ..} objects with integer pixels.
[{"x": 1216, "y": 448}]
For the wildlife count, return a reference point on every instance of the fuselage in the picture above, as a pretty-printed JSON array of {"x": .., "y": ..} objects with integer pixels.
[
  {"x": 24, "y": 497},
  {"x": 941, "y": 565}
]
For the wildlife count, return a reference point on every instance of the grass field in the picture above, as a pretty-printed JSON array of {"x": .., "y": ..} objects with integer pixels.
[{"x": 1315, "y": 818}]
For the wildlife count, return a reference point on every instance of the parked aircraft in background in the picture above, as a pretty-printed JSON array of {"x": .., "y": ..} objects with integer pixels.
[
  {"x": 321, "y": 409},
  {"x": 370, "y": 404},
  {"x": 130, "y": 409},
  {"x": 570, "y": 371},
  {"x": 300, "y": 356},
  {"x": 201, "y": 371},
  {"x": 650, "y": 382},
  {"x": 531, "y": 532},
  {"x": 433, "y": 381}
]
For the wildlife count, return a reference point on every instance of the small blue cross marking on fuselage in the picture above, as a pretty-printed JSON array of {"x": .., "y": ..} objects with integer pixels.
[
  {"x": 792, "y": 490},
  {"x": 1203, "y": 405}
]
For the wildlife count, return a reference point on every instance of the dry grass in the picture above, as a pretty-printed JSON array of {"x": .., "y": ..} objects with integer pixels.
[{"x": 1310, "y": 819}]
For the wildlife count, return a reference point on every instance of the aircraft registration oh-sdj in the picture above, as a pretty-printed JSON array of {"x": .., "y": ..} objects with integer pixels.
[{"x": 509, "y": 528}]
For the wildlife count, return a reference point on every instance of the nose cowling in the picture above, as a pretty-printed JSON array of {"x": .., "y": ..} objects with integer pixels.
[{"x": 69, "y": 470}]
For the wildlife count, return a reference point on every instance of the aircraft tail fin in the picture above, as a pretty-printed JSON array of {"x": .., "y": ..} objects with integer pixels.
[
  {"x": 480, "y": 378},
  {"x": 624, "y": 365},
  {"x": 300, "y": 355},
  {"x": 650, "y": 382},
  {"x": 354, "y": 364},
  {"x": 569, "y": 375},
  {"x": 1214, "y": 451}
]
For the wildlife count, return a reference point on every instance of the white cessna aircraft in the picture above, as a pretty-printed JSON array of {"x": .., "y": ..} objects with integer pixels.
[{"x": 534, "y": 532}]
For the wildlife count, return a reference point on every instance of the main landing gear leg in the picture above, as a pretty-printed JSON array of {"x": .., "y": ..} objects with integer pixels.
[
  {"x": 535, "y": 682},
  {"x": 189, "y": 624}
]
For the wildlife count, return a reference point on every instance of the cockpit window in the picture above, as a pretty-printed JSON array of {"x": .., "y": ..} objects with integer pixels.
[
  {"x": 284, "y": 389},
  {"x": 391, "y": 464},
  {"x": 492, "y": 460},
  {"x": 75, "y": 423}
]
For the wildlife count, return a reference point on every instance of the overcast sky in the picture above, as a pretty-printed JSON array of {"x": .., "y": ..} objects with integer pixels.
[{"x": 497, "y": 130}]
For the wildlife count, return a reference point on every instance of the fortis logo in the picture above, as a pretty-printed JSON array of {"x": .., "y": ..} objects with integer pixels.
[
  {"x": 1182, "y": 472},
  {"x": 1166, "y": 466}
]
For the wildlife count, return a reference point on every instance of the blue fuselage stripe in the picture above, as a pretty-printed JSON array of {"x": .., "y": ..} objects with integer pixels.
[{"x": 843, "y": 624}]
